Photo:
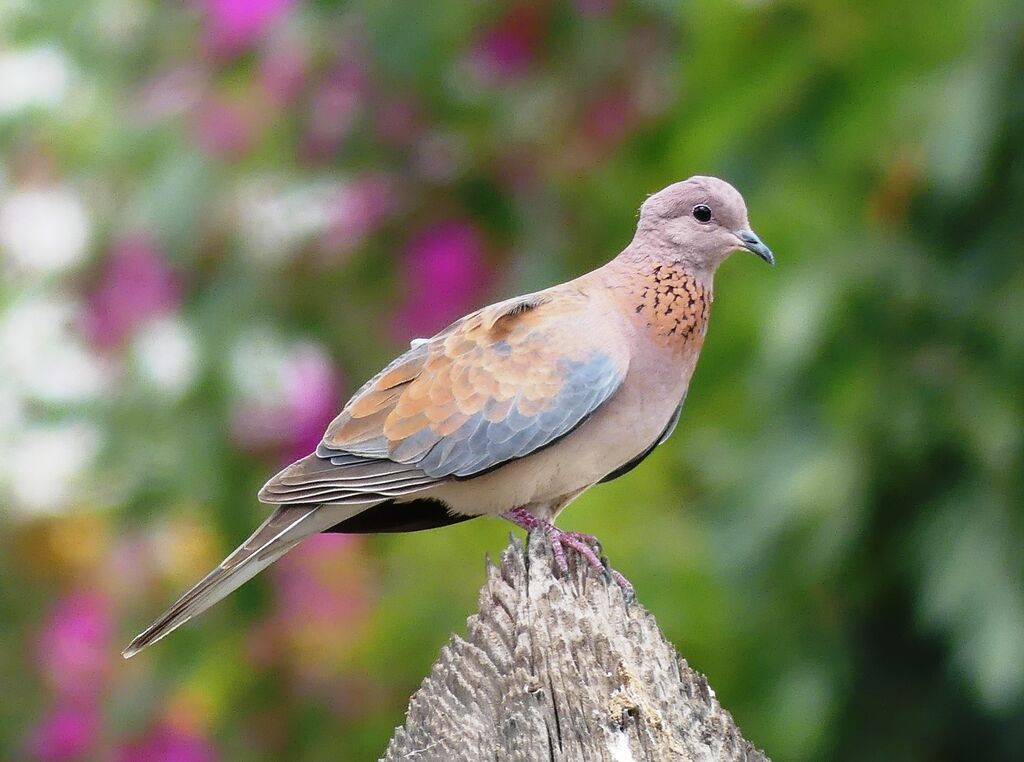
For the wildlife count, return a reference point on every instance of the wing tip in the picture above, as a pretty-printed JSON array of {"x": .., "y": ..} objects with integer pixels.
[{"x": 265, "y": 495}]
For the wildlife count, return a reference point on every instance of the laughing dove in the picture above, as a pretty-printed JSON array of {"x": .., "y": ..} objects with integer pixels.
[{"x": 515, "y": 409}]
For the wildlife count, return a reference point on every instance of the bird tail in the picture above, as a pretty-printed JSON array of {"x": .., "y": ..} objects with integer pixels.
[{"x": 285, "y": 529}]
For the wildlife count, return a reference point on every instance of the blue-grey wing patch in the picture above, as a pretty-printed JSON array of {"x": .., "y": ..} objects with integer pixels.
[{"x": 480, "y": 445}]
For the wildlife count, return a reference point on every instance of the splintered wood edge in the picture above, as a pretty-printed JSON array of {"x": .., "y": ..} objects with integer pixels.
[{"x": 562, "y": 669}]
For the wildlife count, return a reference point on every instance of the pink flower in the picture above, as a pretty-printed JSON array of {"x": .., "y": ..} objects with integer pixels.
[
  {"x": 136, "y": 284},
  {"x": 311, "y": 402},
  {"x": 610, "y": 118},
  {"x": 168, "y": 94},
  {"x": 164, "y": 743},
  {"x": 508, "y": 48},
  {"x": 324, "y": 597},
  {"x": 318, "y": 584},
  {"x": 293, "y": 410},
  {"x": 224, "y": 128},
  {"x": 283, "y": 71},
  {"x": 67, "y": 732},
  {"x": 445, "y": 273},
  {"x": 361, "y": 207},
  {"x": 75, "y": 645},
  {"x": 397, "y": 120},
  {"x": 334, "y": 106},
  {"x": 603, "y": 124},
  {"x": 234, "y": 25}
]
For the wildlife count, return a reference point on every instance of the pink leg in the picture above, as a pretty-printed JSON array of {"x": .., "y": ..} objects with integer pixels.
[
  {"x": 523, "y": 519},
  {"x": 589, "y": 539},
  {"x": 583, "y": 544}
]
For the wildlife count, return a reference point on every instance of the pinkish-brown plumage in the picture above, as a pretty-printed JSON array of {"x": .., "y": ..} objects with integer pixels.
[{"x": 515, "y": 409}]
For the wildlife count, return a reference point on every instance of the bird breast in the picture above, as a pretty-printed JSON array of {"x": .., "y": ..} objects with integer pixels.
[{"x": 672, "y": 305}]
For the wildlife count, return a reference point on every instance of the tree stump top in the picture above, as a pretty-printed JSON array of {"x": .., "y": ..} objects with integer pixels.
[{"x": 563, "y": 669}]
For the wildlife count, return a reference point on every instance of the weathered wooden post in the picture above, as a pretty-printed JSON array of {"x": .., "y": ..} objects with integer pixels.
[{"x": 560, "y": 670}]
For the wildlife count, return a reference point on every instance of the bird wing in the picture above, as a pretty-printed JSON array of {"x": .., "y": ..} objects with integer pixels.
[{"x": 497, "y": 385}]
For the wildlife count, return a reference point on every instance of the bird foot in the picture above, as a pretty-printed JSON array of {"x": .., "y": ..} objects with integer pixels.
[{"x": 586, "y": 545}]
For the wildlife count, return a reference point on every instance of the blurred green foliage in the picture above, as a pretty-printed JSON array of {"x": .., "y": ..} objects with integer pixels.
[{"x": 218, "y": 218}]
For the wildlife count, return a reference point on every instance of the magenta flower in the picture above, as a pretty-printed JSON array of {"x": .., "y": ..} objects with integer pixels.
[
  {"x": 68, "y": 732},
  {"x": 75, "y": 645},
  {"x": 164, "y": 743},
  {"x": 508, "y": 48},
  {"x": 136, "y": 284},
  {"x": 445, "y": 274},
  {"x": 235, "y": 25}
]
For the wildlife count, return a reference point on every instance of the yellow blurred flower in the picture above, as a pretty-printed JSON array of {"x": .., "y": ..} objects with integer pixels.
[{"x": 63, "y": 548}]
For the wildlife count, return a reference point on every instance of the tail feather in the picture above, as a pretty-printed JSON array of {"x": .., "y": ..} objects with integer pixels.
[
  {"x": 343, "y": 480},
  {"x": 285, "y": 529}
]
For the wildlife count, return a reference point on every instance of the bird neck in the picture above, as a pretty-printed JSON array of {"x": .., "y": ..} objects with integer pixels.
[{"x": 668, "y": 302}]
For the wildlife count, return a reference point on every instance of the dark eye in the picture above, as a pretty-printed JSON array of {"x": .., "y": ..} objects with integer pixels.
[{"x": 702, "y": 213}]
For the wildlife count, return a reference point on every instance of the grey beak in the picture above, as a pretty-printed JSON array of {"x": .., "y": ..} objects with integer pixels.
[{"x": 752, "y": 243}]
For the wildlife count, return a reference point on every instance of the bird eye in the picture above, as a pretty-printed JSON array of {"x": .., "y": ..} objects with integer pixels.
[{"x": 702, "y": 213}]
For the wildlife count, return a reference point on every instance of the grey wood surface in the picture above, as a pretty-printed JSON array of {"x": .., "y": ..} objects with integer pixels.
[{"x": 555, "y": 669}]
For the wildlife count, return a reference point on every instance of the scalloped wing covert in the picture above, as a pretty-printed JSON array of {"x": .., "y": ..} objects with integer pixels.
[{"x": 497, "y": 385}]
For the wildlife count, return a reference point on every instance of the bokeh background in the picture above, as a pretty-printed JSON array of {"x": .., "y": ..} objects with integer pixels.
[{"x": 217, "y": 218}]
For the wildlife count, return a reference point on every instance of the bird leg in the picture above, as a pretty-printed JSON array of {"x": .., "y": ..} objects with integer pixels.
[{"x": 586, "y": 545}]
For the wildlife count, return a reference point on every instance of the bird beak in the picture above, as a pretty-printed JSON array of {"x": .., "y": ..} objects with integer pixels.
[{"x": 750, "y": 241}]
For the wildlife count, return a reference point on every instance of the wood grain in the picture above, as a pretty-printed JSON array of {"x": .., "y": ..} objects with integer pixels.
[{"x": 563, "y": 670}]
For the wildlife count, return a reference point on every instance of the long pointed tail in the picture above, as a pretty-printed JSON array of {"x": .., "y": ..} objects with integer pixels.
[{"x": 285, "y": 529}]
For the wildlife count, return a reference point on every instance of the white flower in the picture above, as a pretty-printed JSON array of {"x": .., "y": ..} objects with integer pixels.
[
  {"x": 33, "y": 77},
  {"x": 43, "y": 230},
  {"x": 260, "y": 365},
  {"x": 11, "y": 408},
  {"x": 254, "y": 363},
  {"x": 48, "y": 464},
  {"x": 42, "y": 357},
  {"x": 279, "y": 386},
  {"x": 275, "y": 219},
  {"x": 12, "y": 418},
  {"x": 166, "y": 355}
]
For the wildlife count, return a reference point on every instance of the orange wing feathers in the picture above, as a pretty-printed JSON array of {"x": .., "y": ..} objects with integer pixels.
[{"x": 497, "y": 385}]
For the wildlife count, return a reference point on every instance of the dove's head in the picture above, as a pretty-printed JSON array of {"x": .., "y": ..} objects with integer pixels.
[{"x": 699, "y": 222}]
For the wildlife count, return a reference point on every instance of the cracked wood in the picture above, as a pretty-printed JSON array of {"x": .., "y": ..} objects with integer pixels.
[{"x": 563, "y": 671}]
